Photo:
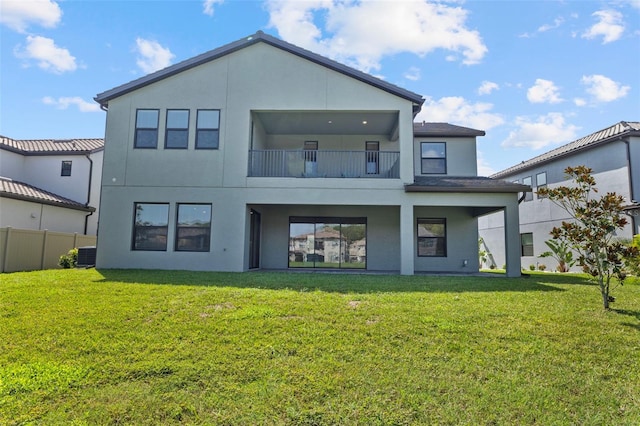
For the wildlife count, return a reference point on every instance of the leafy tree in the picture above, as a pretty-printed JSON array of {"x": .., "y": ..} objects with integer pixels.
[
  {"x": 561, "y": 252},
  {"x": 591, "y": 234}
]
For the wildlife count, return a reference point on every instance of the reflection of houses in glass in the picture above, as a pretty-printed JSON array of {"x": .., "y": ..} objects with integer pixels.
[
  {"x": 325, "y": 245},
  {"x": 358, "y": 251}
]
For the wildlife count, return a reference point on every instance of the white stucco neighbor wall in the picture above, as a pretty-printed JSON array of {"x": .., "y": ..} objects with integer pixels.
[
  {"x": 27, "y": 215},
  {"x": 12, "y": 165}
]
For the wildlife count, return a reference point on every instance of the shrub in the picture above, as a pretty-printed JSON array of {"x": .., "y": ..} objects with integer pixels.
[
  {"x": 69, "y": 260},
  {"x": 542, "y": 267},
  {"x": 532, "y": 267}
]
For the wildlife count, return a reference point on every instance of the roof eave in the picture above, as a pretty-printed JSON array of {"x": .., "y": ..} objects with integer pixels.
[{"x": 18, "y": 197}]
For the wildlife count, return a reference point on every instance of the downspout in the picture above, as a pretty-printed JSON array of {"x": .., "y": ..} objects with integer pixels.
[
  {"x": 634, "y": 224},
  {"x": 86, "y": 218}
]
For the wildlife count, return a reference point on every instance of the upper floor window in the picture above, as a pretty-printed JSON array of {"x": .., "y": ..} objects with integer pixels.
[
  {"x": 177, "y": 133},
  {"x": 146, "y": 128},
  {"x": 432, "y": 237},
  {"x": 541, "y": 181},
  {"x": 208, "y": 129},
  {"x": 66, "y": 168},
  {"x": 372, "y": 151},
  {"x": 150, "y": 226},
  {"x": 528, "y": 196},
  {"x": 433, "y": 157},
  {"x": 193, "y": 227}
]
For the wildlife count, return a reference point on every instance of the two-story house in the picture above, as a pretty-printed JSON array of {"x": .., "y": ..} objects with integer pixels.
[
  {"x": 260, "y": 154},
  {"x": 50, "y": 184},
  {"x": 614, "y": 156}
]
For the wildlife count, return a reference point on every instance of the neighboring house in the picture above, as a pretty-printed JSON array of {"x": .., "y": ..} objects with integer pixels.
[
  {"x": 287, "y": 159},
  {"x": 613, "y": 154},
  {"x": 50, "y": 184}
]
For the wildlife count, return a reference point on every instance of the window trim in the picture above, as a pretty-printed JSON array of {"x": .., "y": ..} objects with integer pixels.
[
  {"x": 157, "y": 128},
  {"x": 199, "y": 129},
  {"x": 134, "y": 228},
  {"x": 66, "y": 171},
  {"x": 168, "y": 129},
  {"x": 435, "y": 221},
  {"x": 422, "y": 158},
  {"x": 177, "y": 228}
]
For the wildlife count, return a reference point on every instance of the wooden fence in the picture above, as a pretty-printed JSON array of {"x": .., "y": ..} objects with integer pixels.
[{"x": 30, "y": 250}]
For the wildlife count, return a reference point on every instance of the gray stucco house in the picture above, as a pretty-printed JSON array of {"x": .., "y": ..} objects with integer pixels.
[
  {"x": 613, "y": 154},
  {"x": 260, "y": 154}
]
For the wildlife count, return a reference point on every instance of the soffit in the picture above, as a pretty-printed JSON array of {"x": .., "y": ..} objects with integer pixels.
[{"x": 327, "y": 122}]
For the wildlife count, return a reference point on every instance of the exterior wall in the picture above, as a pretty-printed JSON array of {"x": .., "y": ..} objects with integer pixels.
[
  {"x": 462, "y": 242},
  {"x": 12, "y": 165},
  {"x": 43, "y": 171},
  {"x": 29, "y": 215},
  {"x": 461, "y": 155},
  {"x": 539, "y": 216}
]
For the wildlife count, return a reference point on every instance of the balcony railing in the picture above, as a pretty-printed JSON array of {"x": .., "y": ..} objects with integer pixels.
[{"x": 319, "y": 164}]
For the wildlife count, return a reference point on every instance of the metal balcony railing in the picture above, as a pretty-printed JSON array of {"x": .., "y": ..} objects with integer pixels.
[{"x": 320, "y": 164}]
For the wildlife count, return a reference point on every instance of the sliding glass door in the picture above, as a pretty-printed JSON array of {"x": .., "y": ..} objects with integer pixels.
[{"x": 327, "y": 242}]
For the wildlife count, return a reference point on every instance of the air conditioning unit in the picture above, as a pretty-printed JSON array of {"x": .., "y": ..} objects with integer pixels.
[{"x": 86, "y": 256}]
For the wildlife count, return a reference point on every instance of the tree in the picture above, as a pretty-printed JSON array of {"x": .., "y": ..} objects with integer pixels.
[{"x": 591, "y": 233}]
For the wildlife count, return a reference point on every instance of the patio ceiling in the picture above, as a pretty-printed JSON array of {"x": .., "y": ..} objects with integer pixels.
[{"x": 329, "y": 122}]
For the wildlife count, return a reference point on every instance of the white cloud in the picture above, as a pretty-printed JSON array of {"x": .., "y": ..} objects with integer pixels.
[
  {"x": 457, "y": 110},
  {"x": 543, "y": 131},
  {"x": 412, "y": 74},
  {"x": 610, "y": 26},
  {"x": 361, "y": 33},
  {"x": 19, "y": 14},
  {"x": 49, "y": 56},
  {"x": 603, "y": 89},
  {"x": 484, "y": 168},
  {"x": 207, "y": 6},
  {"x": 543, "y": 91},
  {"x": 546, "y": 27},
  {"x": 65, "y": 102},
  {"x": 580, "y": 102},
  {"x": 487, "y": 87},
  {"x": 152, "y": 56}
]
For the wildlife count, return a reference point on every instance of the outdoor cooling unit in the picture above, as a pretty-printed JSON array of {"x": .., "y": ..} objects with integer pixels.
[{"x": 86, "y": 256}]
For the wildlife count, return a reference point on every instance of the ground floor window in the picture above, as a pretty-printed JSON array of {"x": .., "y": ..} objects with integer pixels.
[
  {"x": 526, "y": 244},
  {"x": 327, "y": 242},
  {"x": 150, "y": 227},
  {"x": 432, "y": 237},
  {"x": 193, "y": 227}
]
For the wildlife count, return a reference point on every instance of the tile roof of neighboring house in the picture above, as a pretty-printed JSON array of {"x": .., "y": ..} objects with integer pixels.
[
  {"x": 463, "y": 184},
  {"x": 10, "y": 188},
  {"x": 104, "y": 97},
  {"x": 444, "y": 129},
  {"x": 615, "y": 132},
  {"x": 51, "y": 146}
]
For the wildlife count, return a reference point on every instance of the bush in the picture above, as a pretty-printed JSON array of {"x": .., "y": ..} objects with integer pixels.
[
  {"x": 532, "y": 267},
  {"x": 542, "y": 267},
  {"x": 69, "y": 260}
]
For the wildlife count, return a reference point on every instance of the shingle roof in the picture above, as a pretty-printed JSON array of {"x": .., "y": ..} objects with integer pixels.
[
  {"x": 51, "y": 146},
  {"x": 104, "y": 97},
  {"x": 615, "y": 132},
  {"x": 444, "y": 129},
  {"x": 10, "y": 188},
  {"x": 463, "y": 184}
]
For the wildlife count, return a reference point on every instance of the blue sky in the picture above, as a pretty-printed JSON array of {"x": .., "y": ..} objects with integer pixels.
[{"x": 532, "y": 74}]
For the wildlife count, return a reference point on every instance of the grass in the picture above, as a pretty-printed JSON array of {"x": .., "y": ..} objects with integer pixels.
[{"x": 158, "y": 347}]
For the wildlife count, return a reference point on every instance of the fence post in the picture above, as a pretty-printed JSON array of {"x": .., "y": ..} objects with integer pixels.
[
  {"x": 44, "y": 249},
  {"x": 6, "y": 250}
]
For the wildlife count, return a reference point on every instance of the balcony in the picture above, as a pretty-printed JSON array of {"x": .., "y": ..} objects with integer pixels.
[{"x": 324, "y": 164}]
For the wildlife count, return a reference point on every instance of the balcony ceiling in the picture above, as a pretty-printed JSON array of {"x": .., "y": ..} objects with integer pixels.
[{"x": 328, "y": 123}]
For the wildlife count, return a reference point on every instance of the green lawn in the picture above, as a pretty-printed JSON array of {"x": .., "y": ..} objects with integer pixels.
[{"x": 153, "y": 347}]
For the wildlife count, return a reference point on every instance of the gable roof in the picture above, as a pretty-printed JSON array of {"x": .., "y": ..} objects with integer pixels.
[
  {"x": 52, "y": 146},
  {"x": 444, "y": 129},
  {"x": 10, "y": 188},
  {"x": 617, "y": 131},
  {"x": 259, "y": 37}
]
